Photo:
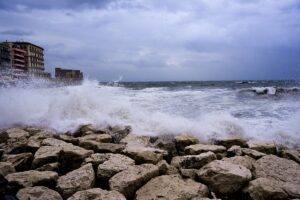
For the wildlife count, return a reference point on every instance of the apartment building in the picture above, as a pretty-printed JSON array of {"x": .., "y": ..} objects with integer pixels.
[
  {"x": 5, "y": 61},
  {"x": 68, "y": 74}
]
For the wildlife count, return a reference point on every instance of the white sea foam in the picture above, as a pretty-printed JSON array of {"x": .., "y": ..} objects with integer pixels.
[{"x": 206, "y": 113}]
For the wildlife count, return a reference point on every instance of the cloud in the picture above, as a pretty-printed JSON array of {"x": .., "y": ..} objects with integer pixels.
[{"x": 161, "y": 40}]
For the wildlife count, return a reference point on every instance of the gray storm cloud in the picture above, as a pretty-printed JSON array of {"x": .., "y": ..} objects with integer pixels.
[{"x": 162, "y": 40}]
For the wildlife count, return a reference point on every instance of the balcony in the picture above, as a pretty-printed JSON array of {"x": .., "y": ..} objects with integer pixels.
[
  {"x": 20, "y": 55},
  {"x": 19, "y": 60},
  {"x": 19, "y": 65}
]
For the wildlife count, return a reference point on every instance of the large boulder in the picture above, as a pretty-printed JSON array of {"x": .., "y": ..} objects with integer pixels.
[
  {"x": 118, "y": 133},
  {"x": 3, "y": 137},
  {"x": 287, "y": 172},
  {"x": 38, "y": 193},
  {"x": 252, "y": 153},
  {"x": 194, "y": 161},
  {"x": 96, "y": 137},
  {"x": 231, "y": 141},
  {"x": 97, "y": 194},
  {"x": 142, "y": 154},
  {"x": 224, "y": 177},
  {"x": 96, "y": 159},
  {"x": 136, "y": 140},
  {"x": 49, "y": 167},
  {"x": 34, "y": 142},
  {"x": 109, "y": 148},
  {"x": 267, "y": 147},
  {"x": 6, "y": 168},
  {"x": 31, "y": 178},
  {"x": 264, "y": 189},
  {"x": 116, "y": 163},
  {"x": 183, "y": 141},
  {"x": 291, "y": 154},
  {"x": 16, "y": 145},
  {"x": 202, "y": 148},
  {"x": 20, "y": 161},
  {"x": 171, "y": 187},
  {"x": 14, "y": 133},
  {"x": 131, "y": 179},
  {"x": 245, "y": 161},
  {"x": 46, "y": 154},
  {"x": 79, "y": 179}
]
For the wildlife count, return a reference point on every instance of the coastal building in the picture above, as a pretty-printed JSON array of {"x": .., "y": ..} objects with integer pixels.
[
  {"x": 34, "y": 58},
  {"x": 5, "y": 61},
  {"x": 68, "y": 74},
  {"x": 17, "y": 57}
]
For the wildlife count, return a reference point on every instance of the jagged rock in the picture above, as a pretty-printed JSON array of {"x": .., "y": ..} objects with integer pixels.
[
  {"x": 143, "y": 154},
  {"x": 79, "y": 179},
  {"x": 183, "y": 141},
  {"x": 252, "y": 153},
  {"x": 224, "y": 177},
  {"x": 83, "y": 129},
  {"x": 131, "y": 179},
  {"x": 46, "y": 154},
  {"x": 20, "y": 161},
  {"x": 171, "y": 187},
  {"x": 3, "y": 185},
  {"x": 292, "y": 155},
  {"x": 96, "y": 159},
  {"x": 32, "y": 130},
  {"x": 109, "y": 148},
  {"x": 264, "y": 189},
  {"x": 229, "y": 142},
  {"x": 167, "y": 143},
  {"x": 163, "y": 167},
  {"x": 235, "y": 151},
  {"x": 176, "y": 161},
  {"x": 266, "y": 147},
  {"x": 34, "y": 142},
  {"x": 31, "y": 178},
  {"x": 245, "y": 161},
  {"x": 95, "y": 137},
  {"x": 97, "y": 194},
  {"x": 189, "y": 173},
  {"x": 3, "y": 137},
  {"x": 118, "y": 134},
  {"x": 1, "y": 153},
  {"x": 136, "y": 140},
  {"x": 49, "y": 167},
  {"x": 38, "y": 193},
  {"x": 202, "y": 148},
  {"x": 16, "y": 145},
  {"x": 53, "y": 142},
  {"x": 116, "y": 163},
  {"x": 15, "y": 133},
  {"x": 280, "y": 169},
  {"x": 6, "y": 168},
  {"x": 196, "y": 161},
  {"x": 68, "y": 138}
]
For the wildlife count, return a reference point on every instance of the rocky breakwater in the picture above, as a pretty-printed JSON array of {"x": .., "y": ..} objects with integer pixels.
[{"x": 115, "y": 164}]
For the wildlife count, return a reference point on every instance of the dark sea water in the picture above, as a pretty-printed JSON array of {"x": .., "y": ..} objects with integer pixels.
[{"x": 208, "y": 109}]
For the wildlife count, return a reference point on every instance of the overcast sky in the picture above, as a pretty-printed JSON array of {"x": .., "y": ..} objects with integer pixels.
[{"x": 149, "y": 40}]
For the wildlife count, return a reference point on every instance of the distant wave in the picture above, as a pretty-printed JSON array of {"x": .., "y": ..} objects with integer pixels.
[{"x": 272, "y": 90}]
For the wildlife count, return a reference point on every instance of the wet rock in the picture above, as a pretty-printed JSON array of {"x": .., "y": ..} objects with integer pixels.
[
  {"x": 38, "y": 193},
  {"x": 292, "y": 155},
  {"x": 245, "y": 161},
  {"x": 97, "y": 194},
  {"x": 79, "y": 179},
  {"x": 163, "y": 167},
  {"x": 136, "y": 140},
  {"x": 69, "y": 139},
  {"x": 32, "y": 130},
  {"x": 252, "y": 153},
  {"x": 263, "y": 188},
  {"x": 267, "y": 147},
  {"x": 224, "y": 177},
  {"x": 171, "y": 187},
  {"x": 234, "y": 151},
  {"x": 6, "y": 168},
  {"x": 167, "y": 143},
  {"x": 229, "y": 142},
  {"x": 20, "y": 161},
  {"x": 49, "y": 167},
  {"x": 280, "y": 169},
  {"x": 46, "y": 154},
  {"x": 16, "y": 145},
  {"x": 31, "y": 178},
  {"x": 183, "y": 141},
  {"x": 54, "y": 142},
  {"x": 83, "y": 129},
  {"x": 143, "y": 154},
  {"x": 131, "y": 179},
  {"x": 15, "y": 133},
  {"x": 34, "y": 142},
  {"x": 116, "y": 163},
  {"x": 119, "y": 133},
  {"x": 196, "y": 161},
  {"x": 96, "y": 137},
  {"x": 202, "y": 148},
  {"x": 3, "y": 137}
]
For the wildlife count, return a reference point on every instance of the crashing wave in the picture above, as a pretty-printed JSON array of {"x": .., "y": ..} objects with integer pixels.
[{"x": 272, "y": 90}]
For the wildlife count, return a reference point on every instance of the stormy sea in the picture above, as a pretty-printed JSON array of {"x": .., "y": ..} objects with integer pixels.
[{"x": 207, "y": 109}]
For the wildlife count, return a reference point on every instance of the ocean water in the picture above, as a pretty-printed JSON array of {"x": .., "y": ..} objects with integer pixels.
[{"x": 208, "y": 109}]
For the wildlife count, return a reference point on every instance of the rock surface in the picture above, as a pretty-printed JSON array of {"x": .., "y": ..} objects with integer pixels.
[
  {"x": 195, "y": 161},
  {"x": 267, "y": 147},
  {"x": 224, "y": 177},
  {"x": 143, "y": 154},
  {"x": 38, "y": 193},
  {"x": 46, "y": 154},
  {"x": 245, "y": 161},
  {"x": 79, "y": 179},
  {"x": 202, "y": 148},
  {"x": 97, "y": 194},
  {"x": 6, "y": 168},
  {"x": 131, "y": 179},
  {"x": 229, "y": 142},
  {"x": 170, "y": 187},
  {"x": 183, "y": 141},
  {"x": 20, "y": 161}
]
